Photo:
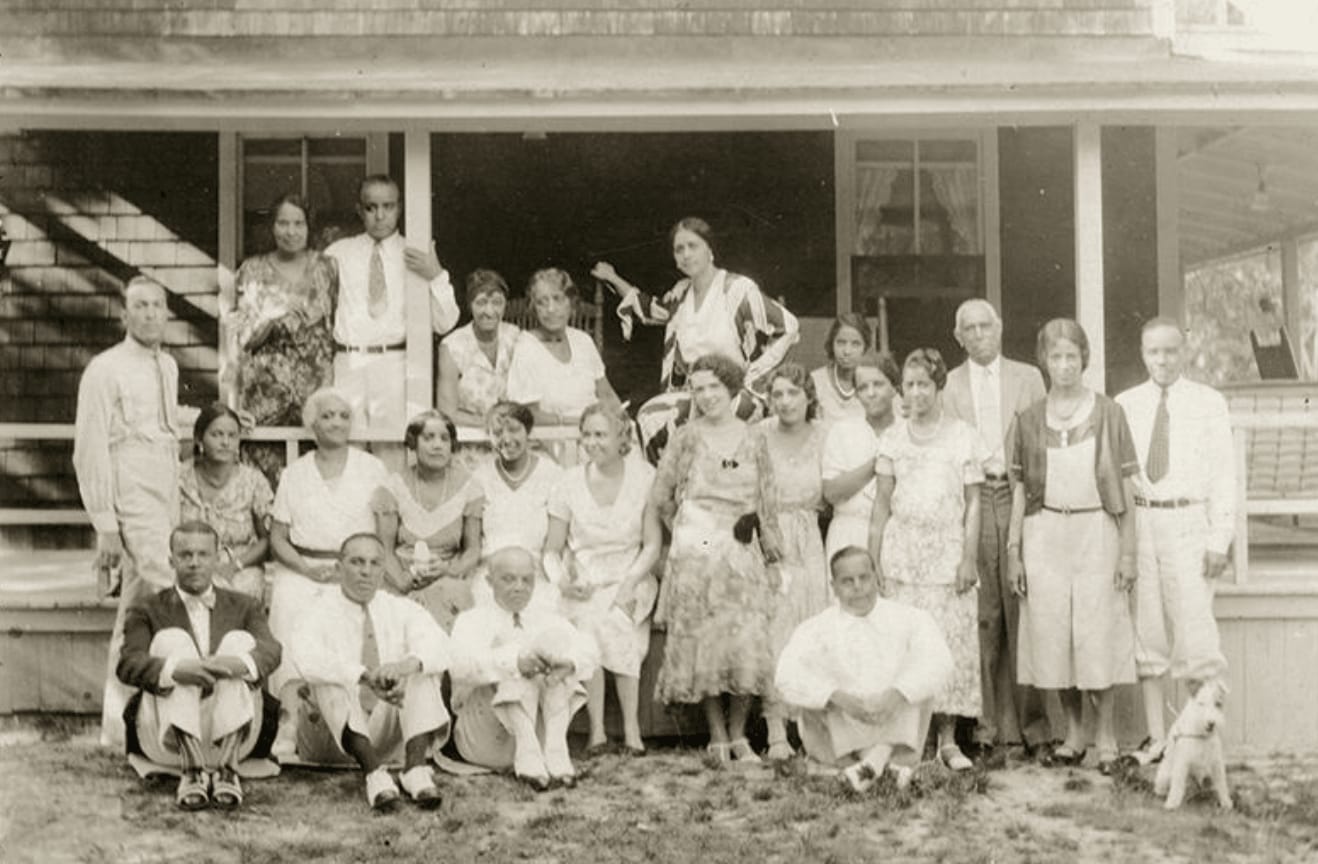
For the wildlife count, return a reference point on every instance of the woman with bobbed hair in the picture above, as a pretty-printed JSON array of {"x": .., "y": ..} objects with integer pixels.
[
  {"x": 474, "y": 359},
  {"x": 323, "y": 499},
  {"x": 429, "y": 519},
  {"x": 556, "y": 369},
  {"x": 233, "y": 498},
  {"x": 284, "y": 319},
  {"x": 716, "y": 484},
  {"x": 924, "y": 532},
  {"x": 709, "y": 311},
  {"x": 1071, "y": 542},
  {"x": 847, "y": 341},
  {"x": 795, "y": 442},
  {"x": 603, "y": 541}
]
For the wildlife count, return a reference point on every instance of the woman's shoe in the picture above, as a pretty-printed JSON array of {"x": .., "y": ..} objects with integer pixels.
[
  {"x": 953, "y": 758},
  {"x": 193, "y": 791},
  {"x": 1062, "y": 756},
  {"x": 226, "y": 790},
  {"x": 859, "y": 778},
  {"x": 719, "y": 751},
  {"x": 742, "y": 752},
  {"x": 780, "y": 751}
]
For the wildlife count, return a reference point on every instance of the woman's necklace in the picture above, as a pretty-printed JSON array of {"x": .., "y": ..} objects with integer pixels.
[
  {"x": 1064, "y": 424},
  {"x": 837, "y": 384},
  {"x": 927, "y": 436},
  {"x": 514, "y": 480}
]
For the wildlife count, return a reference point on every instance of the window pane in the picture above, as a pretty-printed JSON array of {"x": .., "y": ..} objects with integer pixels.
[
  {"x": 273, "y": 167},
  {"x": 885, "y": 198},
  {"x": 332, "y": 194},
  {"x": 351, "y": 148}
]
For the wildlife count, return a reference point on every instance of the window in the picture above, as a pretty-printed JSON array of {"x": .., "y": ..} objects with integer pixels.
[
  {"x": 917, "y": 197},
  {"x": 324, "y": 171}
]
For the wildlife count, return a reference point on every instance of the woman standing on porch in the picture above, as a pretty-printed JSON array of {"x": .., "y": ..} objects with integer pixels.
[
  {"x": 1071, "y": 542},
  {"x": 709, "y": 311},
  {"x": 283, "y": 320},
  {"x": 474, "y": 360}
]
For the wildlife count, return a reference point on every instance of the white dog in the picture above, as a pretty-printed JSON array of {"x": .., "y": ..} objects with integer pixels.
[{"x": 1194, "y": 748}]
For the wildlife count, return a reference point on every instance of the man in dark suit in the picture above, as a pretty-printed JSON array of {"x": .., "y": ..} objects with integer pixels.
[
  {"x": 987, "y": 392},
  {"x": 199, "y": 656}
]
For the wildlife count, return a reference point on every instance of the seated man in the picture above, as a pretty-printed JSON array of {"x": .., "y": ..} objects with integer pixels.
[
  {"x": 199, "y": 709},
  {"x": 862, "y": 675},
  {"x": 519, "y": 675},
  {"x": 373, "y": 662}
]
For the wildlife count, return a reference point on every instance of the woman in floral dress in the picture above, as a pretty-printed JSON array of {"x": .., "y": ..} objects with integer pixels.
[
  {"x": 924, "y": 533},
  {"x": 233, "y": 498},
  {"x": 716, "y": 481},
  {"x": 474, "y": 359}
]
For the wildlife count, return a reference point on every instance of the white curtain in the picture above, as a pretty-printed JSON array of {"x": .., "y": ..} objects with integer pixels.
[
  {"x": 873, "y": 193},
  {"x": 956, "y": 186}
]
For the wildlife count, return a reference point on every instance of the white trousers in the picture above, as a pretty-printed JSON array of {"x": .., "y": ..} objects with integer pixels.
[
  {"x": 521, "y": 724},
  {"x": 376, "y": 387},
  {"x": 388, "y": 727},
  {"x": 830, "y": 734}
]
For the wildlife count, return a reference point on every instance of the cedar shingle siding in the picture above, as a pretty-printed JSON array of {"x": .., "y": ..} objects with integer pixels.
[{"x": 550, "y": 18}]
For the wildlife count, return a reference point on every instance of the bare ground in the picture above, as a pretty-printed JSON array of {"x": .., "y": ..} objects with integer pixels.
[{"x": 63, "y": 799}]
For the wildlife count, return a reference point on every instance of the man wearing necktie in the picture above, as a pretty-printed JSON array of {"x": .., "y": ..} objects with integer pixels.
[
  {"x": 519, "y": 673},
  {"x": 987, "y": 392},
  {"x": 125, "y": 454},
  {"x": 199, "y": 656},
  {"x": 374, "y": 663},
  {"x": 1185, "y": 516},
  {"x": 374, "y": 269}
]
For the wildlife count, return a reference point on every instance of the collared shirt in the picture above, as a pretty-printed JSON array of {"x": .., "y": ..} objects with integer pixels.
[
  {"x": 1202, "y": 462},
  {"x": 353, "y": 323},
  {"x": 487, "y": 643},
  {"x": 989, "y": 422},
  {"x": 326, "y": 645},
  {"x": 128, "y": 395},
  {"x": 199, "y": 607},
  {"x": 894, "y": 646}
]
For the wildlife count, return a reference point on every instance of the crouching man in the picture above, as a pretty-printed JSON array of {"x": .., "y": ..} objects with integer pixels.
[
  {"x": 861, "y": 676},
  {"x": 373, "y": 662},
  {"x": 519, "y": 674},
  {"x": 199, "y": 655}
]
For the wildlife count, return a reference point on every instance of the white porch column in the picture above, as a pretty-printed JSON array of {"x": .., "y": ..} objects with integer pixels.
[
  {"x": 1089, "y": 248},
  {"x": 417, "y": 230}
]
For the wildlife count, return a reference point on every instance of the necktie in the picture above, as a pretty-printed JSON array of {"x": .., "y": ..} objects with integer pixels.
[
  {"x": 377, "y": 296},
  {"x": 166, "y": 421},
  {"x": 988, "y": 407},
  {"x": 370, "y": 659},
  {"x": 517, "y": 620},
  {"x": 1159, "y": 447}
]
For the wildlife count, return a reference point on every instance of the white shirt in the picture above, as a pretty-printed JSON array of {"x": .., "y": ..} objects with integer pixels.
[
  {"x": 894, "y": 646},
  {"x": 536, "y": 376},
  {"x": 326, "y": 645},
  {"x": 1202, "y": 461},
  {"x": 128, "y": 396},
  {"x": 988, "y": 417},
  {"x": 487, "y": 642},
  {"x": 353, "y": 323},
  {"x": 850, "y": 444}
]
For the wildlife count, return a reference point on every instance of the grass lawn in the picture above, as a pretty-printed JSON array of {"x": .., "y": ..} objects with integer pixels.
[{"x": 63, "y": 799}]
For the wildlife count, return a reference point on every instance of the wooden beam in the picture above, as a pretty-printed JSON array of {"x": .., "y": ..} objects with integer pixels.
[
  {"x": 1171, "y": 280},
  {"x": 991, "y": 223},
  {"x": 418, "y": 230},
  {"x": 226, "y": 262},
  {"x": 1290, "y": 304},
  {"x": 1089, "y": 248},
  {"x": 844, "y": 212}
]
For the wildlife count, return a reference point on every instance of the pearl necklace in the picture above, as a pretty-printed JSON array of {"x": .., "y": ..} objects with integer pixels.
[
  {"x": 837, "y": 385},
  {"x": 928, "y": 436},
  {"x": 515, "y": 480}
]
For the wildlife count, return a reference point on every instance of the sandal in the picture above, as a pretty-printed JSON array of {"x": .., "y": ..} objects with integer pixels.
[
  {"x": 742, "y": 752},
  {"x": 953, "y": 758},
  {"x": 1149, "y": 752},
  {"x": 193, "y": 791},
  {"x": 719, "y": 751},
  {"x": 226, "y": 791},
  {"x": 1062, "y": 756}
]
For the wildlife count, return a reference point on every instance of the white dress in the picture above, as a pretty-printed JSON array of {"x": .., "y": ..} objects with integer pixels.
[
  {"x": 515, "y": 517},
  {"x": 834, "y": 405},
  {"x": 603, "y": 541},
  {"x": 849, "y": 444},
  {"x": 561, "y": 388}
]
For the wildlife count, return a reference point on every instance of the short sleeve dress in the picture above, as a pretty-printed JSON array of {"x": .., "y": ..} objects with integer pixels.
[
  {"x": 562, "y": 388},
  {"x": 480, "y": 382},
  {"x": 924, "y": 538},
  {"x": 233, "y": 512},
  {"x": 515, "y": 517},
  {"x": 440, "y": 529},
  {"x": 603, "y": 541},
  {"x": 848, "y": 445}
]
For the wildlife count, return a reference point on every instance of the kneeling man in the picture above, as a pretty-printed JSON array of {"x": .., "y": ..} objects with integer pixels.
[
  {"x": 199, "y": 655},
  {"x": 519, "y": 674},
  {"x": 374, "y": 664},
  {"x": 862, "y": 675}
]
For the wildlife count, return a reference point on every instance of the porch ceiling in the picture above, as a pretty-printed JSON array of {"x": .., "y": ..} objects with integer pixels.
[{"x": 1219, "y": 171}]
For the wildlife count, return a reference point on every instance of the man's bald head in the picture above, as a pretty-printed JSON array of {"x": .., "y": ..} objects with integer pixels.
[{"x": 512, "y": 577}]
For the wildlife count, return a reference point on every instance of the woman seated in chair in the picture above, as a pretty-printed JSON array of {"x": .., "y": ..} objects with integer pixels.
[
  {"x": 556, "y": 369},
  {"x": 474, "y": 359}
]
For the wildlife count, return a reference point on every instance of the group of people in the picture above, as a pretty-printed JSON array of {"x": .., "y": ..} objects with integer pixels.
[{"x": 986, "y": 539}]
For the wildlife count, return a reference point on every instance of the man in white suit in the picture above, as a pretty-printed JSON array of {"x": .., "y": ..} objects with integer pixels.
[{"x": 987, "y": 392}]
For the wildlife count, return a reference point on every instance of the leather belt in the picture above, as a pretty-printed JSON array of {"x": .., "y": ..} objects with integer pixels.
[
  {"x": 371, "y": 349},
  {"x": 1167, "y": 504},
  {"x": 1069, "y": 511},
  {"x": 996, "y": 478}
]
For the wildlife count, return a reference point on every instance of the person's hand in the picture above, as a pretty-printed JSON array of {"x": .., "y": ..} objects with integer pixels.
[
  {"x": 323, "y": 572},
  {"x": 424, "y": 264},
  {"x": 109, "y": 550},
  {"x": 1016, "y": 574},
  {"x": 967, "y": 575},
  {"x": 423, "y": 573},
  {"x": 531, "y": 664},
  {"x": 1124, "y": 579},
  {"x": 625, "y": 602},
  {"x": 604, "y": 271},
  {"x": 193, "y": 673},
  {"x": 225, "y": 666},
  {"x": 578, "y": 591},
  {"x": 1214, "y": 565},
  {"x": 558, "y": 669},
  {"x": 878, "y": 709}
]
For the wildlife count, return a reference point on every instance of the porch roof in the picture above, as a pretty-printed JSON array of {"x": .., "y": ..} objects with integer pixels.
[{"x": 814, "y": 81}]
